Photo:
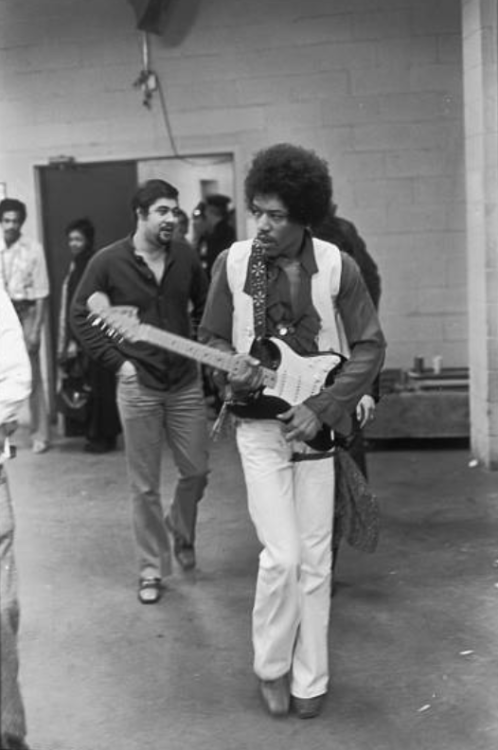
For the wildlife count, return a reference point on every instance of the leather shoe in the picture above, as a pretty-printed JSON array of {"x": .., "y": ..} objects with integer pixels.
[
  {"x": 40, "y": 446},
  {"x": 308, "y": 708},
  {"x": 276, "y": 695},
  {"x": 183, "y": 551},
  {"x": 100, "y": 445},
  {"x": 185, "y": 555},
  {"x": 150, "y": 590}
]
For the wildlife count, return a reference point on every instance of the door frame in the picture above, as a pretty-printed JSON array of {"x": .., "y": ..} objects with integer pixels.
[{"x": 235, "y": 152}]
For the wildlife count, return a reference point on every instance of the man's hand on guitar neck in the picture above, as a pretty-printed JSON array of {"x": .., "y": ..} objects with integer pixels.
[
  {"x": 246, "y": 375},
  {"x": 300, "y": 423}
]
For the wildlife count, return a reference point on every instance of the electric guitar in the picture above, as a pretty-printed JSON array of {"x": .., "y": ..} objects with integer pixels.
[{"x": 288, "y": 378}]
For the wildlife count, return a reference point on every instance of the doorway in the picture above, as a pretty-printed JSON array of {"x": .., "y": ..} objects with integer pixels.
[{"x": 102, "y": 191}]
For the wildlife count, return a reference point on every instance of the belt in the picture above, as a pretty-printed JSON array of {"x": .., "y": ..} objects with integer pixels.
[{"x": 312, "y": 456}]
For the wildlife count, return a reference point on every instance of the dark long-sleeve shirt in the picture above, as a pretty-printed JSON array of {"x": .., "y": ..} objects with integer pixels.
[
  {"x": 334, "y": 404},
  {"x": 222, "y": 237},
  {"x": 126, "y": 279}
]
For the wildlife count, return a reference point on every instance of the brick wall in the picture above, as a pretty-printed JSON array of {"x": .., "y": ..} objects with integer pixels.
[{"x": 375, "y": 86}]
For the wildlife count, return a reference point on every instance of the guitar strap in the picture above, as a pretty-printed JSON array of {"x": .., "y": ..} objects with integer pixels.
[
  {"x": 258, "y": 287},
  {"x": 258, "y": 290}
]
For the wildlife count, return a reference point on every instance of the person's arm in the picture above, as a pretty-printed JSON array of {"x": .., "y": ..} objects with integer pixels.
[
  {"x": 370, "y": 273},
  {"x": 15, "y": 371},
  {"x": 93, "y": 340},
  {"x": 34, "y": 338},
  {"x": 335, "y": 403},
  {"x": 39, "y": 293}
]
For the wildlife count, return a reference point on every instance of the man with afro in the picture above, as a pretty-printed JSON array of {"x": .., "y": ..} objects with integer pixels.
[{"x": 290, "y": 287}]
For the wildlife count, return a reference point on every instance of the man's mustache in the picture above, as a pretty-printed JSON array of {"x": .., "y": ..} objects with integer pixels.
[{"x": 265, "y": 239}]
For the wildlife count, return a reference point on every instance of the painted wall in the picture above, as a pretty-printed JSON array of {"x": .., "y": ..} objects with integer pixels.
[
  {"x": 375, "y": 86},
  {"x": 480, "y": 46}
]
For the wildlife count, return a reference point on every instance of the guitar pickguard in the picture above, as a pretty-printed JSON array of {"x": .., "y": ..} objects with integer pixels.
[{"x": 298, "y": 378}]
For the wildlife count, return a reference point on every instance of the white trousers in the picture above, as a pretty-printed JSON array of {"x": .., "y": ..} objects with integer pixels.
[{"x": 292, "y": 507}]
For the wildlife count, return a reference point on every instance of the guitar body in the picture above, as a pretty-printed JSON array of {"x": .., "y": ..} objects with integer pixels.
[{"x": 297, "y": 378}]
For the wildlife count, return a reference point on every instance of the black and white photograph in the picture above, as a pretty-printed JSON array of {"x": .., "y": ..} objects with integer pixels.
[{"x": 248, "y": 374}]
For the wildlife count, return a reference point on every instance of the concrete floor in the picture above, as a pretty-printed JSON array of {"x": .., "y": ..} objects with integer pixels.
[{"x": 414, "y": 643}]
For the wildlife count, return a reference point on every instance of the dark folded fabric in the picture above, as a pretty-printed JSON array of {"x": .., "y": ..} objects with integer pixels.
[{"x": 356, "y": 509}]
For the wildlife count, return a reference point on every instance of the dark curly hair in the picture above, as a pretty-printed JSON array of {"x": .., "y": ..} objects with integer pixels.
[
  {"x": 12, "y": 204},
  {"x": 299, "y": 178},
  {"x": 85, "y": 227},
  {"x": 151, "y": 191}
]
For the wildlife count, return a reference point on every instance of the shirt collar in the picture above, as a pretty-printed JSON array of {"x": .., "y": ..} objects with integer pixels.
[
  {"x": 15, "y": 245},
  {"x": 306, "y": 255},
  {"x": 170, "y": 252}
]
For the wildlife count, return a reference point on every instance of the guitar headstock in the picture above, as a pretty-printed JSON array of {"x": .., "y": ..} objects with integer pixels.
[{"x": 118, "y": 320}]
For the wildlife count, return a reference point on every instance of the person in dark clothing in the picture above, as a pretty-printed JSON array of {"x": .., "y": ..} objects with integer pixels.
[
  {"x": 344, "y": 235},
  {"x": 220, "y": 233},
  {"x": 213, "y": 233},
  {"x": 214, "y": 229},
  {"x": 101, "y": 424},
  {"x": 198, "y": 225},
  {"x": 159, "y": 393},
  {"x": 182, "y": 226}
]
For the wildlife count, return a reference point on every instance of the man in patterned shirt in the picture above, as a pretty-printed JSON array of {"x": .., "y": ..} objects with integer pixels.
[{"x": 24, "y": 274}]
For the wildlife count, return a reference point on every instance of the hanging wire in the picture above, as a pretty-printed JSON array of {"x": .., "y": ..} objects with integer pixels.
[{"x": 149, "y": 81}]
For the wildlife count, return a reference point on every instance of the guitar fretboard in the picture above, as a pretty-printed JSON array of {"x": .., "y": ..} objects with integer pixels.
[{"x": 208, "y": 355}]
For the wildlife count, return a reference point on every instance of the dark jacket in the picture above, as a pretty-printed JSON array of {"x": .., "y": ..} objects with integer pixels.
[
  {"x": 222, "y": 237},
  {"x": 344, "y": 235}
]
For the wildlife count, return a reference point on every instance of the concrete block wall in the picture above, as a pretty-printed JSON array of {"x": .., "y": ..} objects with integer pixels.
[{"x": 374, "y": 86}]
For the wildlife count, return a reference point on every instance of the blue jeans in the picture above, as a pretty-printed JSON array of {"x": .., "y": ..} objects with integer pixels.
[{"x": 148, "y": 416}]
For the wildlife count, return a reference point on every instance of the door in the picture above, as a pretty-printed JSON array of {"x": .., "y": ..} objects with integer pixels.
[{"x": 103, "y": 193}]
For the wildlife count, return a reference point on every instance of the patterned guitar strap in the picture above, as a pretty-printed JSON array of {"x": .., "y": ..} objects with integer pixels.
[{"x": 257, "y": 288}]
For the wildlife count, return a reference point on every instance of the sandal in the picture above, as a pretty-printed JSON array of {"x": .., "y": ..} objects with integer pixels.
[{"x": 149, "y": 590}]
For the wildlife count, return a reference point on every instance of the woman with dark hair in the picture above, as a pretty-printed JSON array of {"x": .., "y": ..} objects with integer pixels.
[{"x": 99, "y": 419}]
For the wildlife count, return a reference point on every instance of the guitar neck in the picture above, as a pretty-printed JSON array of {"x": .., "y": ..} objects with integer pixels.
[{"x": 207, "y": 355}]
